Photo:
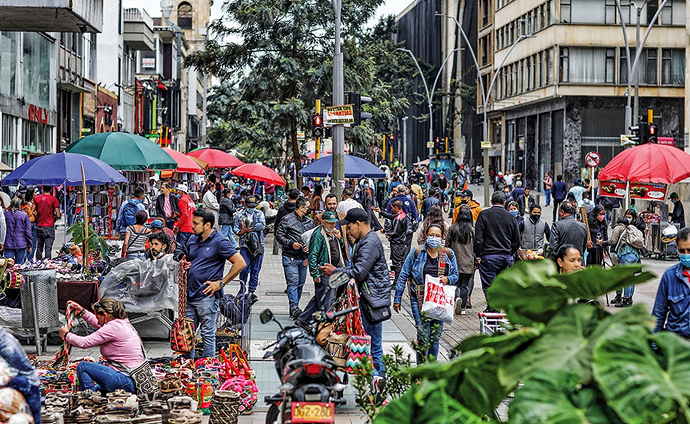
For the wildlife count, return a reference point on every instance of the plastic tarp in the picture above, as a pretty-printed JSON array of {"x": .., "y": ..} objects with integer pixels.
[{"x": 143, "y": 286}]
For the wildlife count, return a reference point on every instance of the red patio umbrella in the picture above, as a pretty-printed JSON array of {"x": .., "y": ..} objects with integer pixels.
[
  {"x": 648, "y": 163},
  {"x": 216, "y": 158},
  {"x": 184, "y": 163},
  {"x": 257, "y": 172}
]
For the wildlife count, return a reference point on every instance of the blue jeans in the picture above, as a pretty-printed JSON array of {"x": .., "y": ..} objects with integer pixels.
[
  {"x": 323, "y": 299},
  {"x": 136, "y": 255},
  {"x": 226, "y": 231},
  {"x": 102, "y": 378},
  {"x": 547, "y": 193},
  {"x": 295, "y": 276},
  {"x": 627, "y": 259},
  {"x": 19, "y": 255},
  {"x": 490, "y": 266},
  {"x": 203, "y": 311},
  {"x": 375, "y": 331},
  {"x": 253, "y": 267},
  {"x": 424, "y": 332},
  {"x": 182, "y": 238}
]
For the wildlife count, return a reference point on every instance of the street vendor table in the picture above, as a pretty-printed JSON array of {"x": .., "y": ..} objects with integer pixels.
[{"x": 84, "y": 293}]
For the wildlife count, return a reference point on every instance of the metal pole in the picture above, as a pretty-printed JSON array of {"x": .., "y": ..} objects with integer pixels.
[
  {"x": 404, "y": 136},
  {"x": 636, "y": 109},
  {"x": 338, "y": 99},
  {"x": 628, "y": 108}
]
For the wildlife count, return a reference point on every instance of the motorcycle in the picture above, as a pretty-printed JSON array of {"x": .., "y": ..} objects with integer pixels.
[{"x": 310, "y": 386}]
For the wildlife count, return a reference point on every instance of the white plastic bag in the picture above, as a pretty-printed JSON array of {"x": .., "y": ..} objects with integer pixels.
[{"x": 439, "y": 300}]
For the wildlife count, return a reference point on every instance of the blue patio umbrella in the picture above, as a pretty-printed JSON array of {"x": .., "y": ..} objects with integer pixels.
[
  {"x": 63, "y": 168},
  {"x": 354, "y": 168}
]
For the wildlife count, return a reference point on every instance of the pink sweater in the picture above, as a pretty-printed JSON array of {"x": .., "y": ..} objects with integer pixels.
[{"x": 118, "y": 339}]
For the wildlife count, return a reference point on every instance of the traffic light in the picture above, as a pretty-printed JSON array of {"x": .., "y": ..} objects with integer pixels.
[
  {"x": 652, "y": 133},
  {"x": 639, "y": 133},
  {"x": 318, "y": 126},
  {"x": 357, "y": 100},
  {"x": 437, "y": 143}
]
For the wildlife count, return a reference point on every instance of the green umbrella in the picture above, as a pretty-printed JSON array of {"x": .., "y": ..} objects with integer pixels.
[{"x": 124, "y": 151}]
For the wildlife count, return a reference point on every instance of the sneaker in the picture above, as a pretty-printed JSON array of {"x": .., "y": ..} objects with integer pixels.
[
  {"x": 295, "y": 312},
  {"x": 463, "y": 312},
  {"x": 624, "y": 303},
  {"x": 254, "y": 298},
  {"x": 458, "y": 306},
  {"x": 303, "y": 325},
  {"x": 469, "y": 303},
  {"x": 616, "y": 300},
  {"x": 378, "y": 389}
]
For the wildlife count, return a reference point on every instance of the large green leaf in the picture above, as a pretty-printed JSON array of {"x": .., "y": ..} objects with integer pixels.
[
  {"x": 595, "y": 281},
  {"x": 527, "y": 292},
  {"x": 427, "y": 403},
  {"x": 500, "y": 343},
  {"x": 472, "y": 379},
  {"x": 640, "y": 385},
  {"x": 555, "y": 397},
  {"x": 564, "y": 345}
]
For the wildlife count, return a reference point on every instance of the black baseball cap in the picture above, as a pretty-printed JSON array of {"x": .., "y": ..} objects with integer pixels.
[
  {"x": 466, "y": 193},
  {"x": 355, "y": 215}
]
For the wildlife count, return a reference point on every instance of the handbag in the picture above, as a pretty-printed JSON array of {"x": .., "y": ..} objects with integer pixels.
[
  {"x": 145, "y": 381},
  {"x": 240, "y": 378},
  {"x": 358, "y": 345},
  {"x": 182, "y": 332}
]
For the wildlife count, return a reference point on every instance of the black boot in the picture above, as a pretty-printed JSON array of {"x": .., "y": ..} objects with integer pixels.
[
  {"x": 625, "y": 302},
  {"x": 616, "y": 300}
]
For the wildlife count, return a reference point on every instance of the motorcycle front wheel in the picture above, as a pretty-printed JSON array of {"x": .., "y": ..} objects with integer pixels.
[{"x": 273, "y": 415}]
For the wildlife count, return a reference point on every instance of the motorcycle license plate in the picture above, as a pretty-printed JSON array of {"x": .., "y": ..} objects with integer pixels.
[{"x": 313, "y": 412}]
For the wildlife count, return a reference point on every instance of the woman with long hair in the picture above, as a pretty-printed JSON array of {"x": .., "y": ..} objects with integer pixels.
[
  {"x": 435, "y": 216},
  {"x": 568, "y": 259},
  {"x": 598, "y": 233},
  {"x": 316, "y": 205},
  {"x": 461, "y": 240}
]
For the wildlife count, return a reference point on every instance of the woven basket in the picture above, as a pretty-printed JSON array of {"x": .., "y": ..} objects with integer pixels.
[{"x": 225, "y": 407}]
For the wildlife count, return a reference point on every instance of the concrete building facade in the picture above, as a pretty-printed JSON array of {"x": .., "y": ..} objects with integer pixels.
[{"x": 562, "y": 92}]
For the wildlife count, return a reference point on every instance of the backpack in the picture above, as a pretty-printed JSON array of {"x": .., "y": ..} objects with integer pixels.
[
  {"x": 129, "y": 212},
  {"x": 634, "y": 237}
]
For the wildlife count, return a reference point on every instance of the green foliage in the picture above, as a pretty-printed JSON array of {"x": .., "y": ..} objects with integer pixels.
[
  {"x": 569, "y": 360},
  {"x": 96, "y": 242}
]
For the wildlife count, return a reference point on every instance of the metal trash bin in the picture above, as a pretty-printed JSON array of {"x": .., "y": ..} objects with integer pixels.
[{"x": 44, "y": 282}]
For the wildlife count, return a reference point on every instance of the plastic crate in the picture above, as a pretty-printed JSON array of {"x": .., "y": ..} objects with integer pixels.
[{"x": 491, "y": 322}]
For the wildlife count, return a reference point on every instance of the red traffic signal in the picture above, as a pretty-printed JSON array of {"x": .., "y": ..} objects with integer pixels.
[
  {"x": 318, "y": 126},
  {"x": 392, "y": 137},
  {"x": 318, "y": 121},
  {"x": 652, "y": 133}
]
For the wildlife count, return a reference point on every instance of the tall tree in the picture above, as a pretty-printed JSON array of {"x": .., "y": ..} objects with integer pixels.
[{"x": 274, "y": 58}]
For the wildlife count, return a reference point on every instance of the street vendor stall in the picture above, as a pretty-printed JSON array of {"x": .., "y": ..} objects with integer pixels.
[
  {"x": 644, "y": 172},
  {"x": 355, "y": 167}
]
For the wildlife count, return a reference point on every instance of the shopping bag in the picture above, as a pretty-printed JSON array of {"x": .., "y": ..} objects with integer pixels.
[
  {"x": 182, "y": 336},
  {"x": 358, "y": 351},
  {"x": 439, "y": 300}
]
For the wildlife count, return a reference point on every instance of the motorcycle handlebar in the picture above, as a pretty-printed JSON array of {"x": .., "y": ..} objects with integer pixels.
[{"x": 331, "y": 316}]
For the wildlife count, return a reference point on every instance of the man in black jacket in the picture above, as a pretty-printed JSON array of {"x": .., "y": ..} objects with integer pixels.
[
  {"x": 567, "y": 230},
  {"x": 226, "y": 216},
  {"x": 370, "y": 270},
  {"x": 496, "y": 238},
  {"x": 396, "y": 229},
  {"x": 289, "y": 236}
]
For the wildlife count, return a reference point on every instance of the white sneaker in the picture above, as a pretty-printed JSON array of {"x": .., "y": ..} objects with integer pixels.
[{"x": 463, "y": 312}]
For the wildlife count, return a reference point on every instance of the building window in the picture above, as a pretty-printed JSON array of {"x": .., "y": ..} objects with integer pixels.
[
  {"x": 583, "y": 11},
  {"x": 37, "y": 137},
  {"x": 673, "y": 13},
  {"x": 184, "y": 15},
  {"x": 646, "y": 66},
  {"x": 610, "y": 65},
  {"x": 650, "y": 68},
  {"x": 565, "y": 11},
  {"x": 583, "y": 65},
  {"x": 549, "y": 66},
  {"x": 673, "y": 66},
  {"x": 611, "y": 12},
  {"x": 36, "y": 66},
  {"x": 9, "y": 55}
]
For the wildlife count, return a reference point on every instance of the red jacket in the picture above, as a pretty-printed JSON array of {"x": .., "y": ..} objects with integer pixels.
[{"x": 187, "y": 208}]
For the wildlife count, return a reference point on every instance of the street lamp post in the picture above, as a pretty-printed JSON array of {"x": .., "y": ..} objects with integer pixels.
[
  {"x": 338, "y": 99},
  {"x": 166, "y": 10},
  {"x": 486, "y": 92},
  {"x": 632, "y": 68},
  {"x": 429, "y": 94}
]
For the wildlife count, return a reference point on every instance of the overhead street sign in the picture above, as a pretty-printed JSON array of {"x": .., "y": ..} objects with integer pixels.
[
  {"x": 338, "y": 115},
  {"x": 593, "y": 159}
]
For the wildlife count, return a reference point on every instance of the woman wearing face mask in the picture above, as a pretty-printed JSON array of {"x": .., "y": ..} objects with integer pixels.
[
  {"x": 568, "y": 259},
  {"x": 598, "y": 233},
  {"x": 514, "y": 210},
  {"x": 536, "y": 231},
  {"x": 433, "y": 260}
]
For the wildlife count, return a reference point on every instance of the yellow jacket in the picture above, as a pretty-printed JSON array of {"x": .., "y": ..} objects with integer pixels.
[{"x": 474, "y": 207}]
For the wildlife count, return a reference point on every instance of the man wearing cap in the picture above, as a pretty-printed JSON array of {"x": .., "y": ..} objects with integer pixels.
[
  {"x": 325, "y": 247},
  {"x": 289, "y": 236},
  {"x": 157, "y": 226},
  {"x": 183, "y": 227},
  {"x": 369, "y": 268},
  {"x": 678, "y": 214},
  {"x": 465, "y": 198},
  {"x": 249, "y": 224}
]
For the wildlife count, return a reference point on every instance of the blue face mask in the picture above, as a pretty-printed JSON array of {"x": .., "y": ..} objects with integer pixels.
[
  {"x": 684, "y": 259},
  {"x": 514, "y": 213},
  {"x": 433, "y": 242}
]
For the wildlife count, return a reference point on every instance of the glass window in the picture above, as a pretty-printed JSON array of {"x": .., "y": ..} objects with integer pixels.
[
  {"x": 540, "y": 67},
  {"x": 611, "y": 12},
  {"x": 666, "y": 16},
  {"x": 650, "y": 71},
  {"x": 565, "y": 11},
  {"x": 584, "y": 65},
  {"x": 36, "y": 66},
  {"x": 678, "y": 9},
  {"x": 9, "y": 55},
  {"x": 673, "y": 67},
  {"x": 549, "y": 66},
  {"x": 610, "y": 65},
  {"x": 586, "y": 11},
  {"x": 8, "y": 133},
  {"x": 184, "y": 15}
]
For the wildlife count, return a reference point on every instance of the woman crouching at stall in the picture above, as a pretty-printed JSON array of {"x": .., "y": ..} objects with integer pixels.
[{"x": 119, "y": 343}]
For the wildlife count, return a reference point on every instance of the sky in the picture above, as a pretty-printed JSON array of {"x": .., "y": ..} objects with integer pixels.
[{"x": 153, "y": 6}]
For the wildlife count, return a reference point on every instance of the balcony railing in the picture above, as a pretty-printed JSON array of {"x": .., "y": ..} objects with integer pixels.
[{"x": 138, "y": 15}]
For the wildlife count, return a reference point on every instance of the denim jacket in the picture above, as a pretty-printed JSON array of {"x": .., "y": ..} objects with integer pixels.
[
  {"x": 415, "y": 268},
  {"x": 672, "y": 304}
]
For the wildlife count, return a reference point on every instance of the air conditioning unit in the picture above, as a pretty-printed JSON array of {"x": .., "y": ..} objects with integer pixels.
[{"x": 203, "y": 31}]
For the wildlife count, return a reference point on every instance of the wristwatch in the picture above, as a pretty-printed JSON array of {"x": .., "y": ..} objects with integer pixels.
[{"x": 223, "y": 284}]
